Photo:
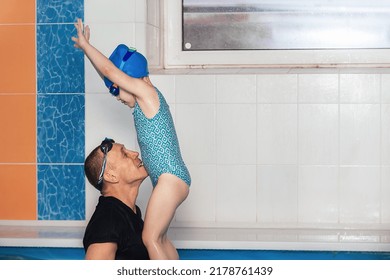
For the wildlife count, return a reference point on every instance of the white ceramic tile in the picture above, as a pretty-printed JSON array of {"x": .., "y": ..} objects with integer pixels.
[
  {"x": 318, "y": 88},
  {"x": 236, "y": 134},
  {"x": 142, "y": 9},
  {"x": 200, "y": 205},
  {"x": 277, "y": 134},
  {"x": 385, "y": 88},
  {"x": 106, "y": 36},
  {"x": 360, "y": 134},
  {"x": 236, "y": 193},
  {"x": 141, "y": 39},
  {"x": 360, "y": 195},
  {"x": 143, "y": 195},
  {"x": 385, "y": 194},
  {"x": 106, "y": 117},
  {"x": 118, "y": 33},
  {"x": 277, "y": 88},
  {"x": 359, "y": 88},
  {"x": 172, "y": 109},
  {"x": 195, "y": 89},
  {"x": 166, "y": 84},
  {"x": 236, "y": 88},
  {"x": 196, "y": 126},
  {"x": 93, "y": 82},
  {"x": 318, "y": 134},
  {"x": 277, "y": 194},
  {"x": 318, "y": 194},
  {"x": 91, "y": 199},
  {"x": 385, "y": 150},
  {"x": 110, "y": 11}
]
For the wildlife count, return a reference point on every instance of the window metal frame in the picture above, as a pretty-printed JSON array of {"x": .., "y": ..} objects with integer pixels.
[{"x": 175, "y": 57}]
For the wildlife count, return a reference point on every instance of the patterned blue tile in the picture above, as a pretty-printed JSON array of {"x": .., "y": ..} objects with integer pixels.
[
  {"x": 60, "y": 66},
  {"x": 61, "y": 128},
  {"x": 61, "y": 192},
  {"x": 59, "y": 11}
]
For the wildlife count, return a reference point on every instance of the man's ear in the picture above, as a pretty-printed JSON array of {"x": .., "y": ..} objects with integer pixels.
[{"x": 111, "y": 176}]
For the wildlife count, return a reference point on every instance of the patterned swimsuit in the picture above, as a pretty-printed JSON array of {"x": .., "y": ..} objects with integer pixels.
[{"x": 158, "y": 142}]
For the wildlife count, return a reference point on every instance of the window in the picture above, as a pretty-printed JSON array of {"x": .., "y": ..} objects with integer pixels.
[
  {"x": 285, "y": 24},
  {"x": 218, "y": 33}
]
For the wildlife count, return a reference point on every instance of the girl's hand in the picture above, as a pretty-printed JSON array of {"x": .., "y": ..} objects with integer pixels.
[{"x": 83, "y": 34}]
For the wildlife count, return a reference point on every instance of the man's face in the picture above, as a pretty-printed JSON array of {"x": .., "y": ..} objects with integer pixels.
[{"x": 127, "y": 164}]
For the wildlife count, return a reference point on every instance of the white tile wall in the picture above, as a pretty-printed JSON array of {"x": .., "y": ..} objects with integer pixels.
[
  {"x": 236, "y": 133},
  {"x": 385, "y": 88},
  {"x": 319, "y": 88},
  {"x": 385, "y": 194},
  {"x": 236, "y": 89},
  {"x": 359, "y": 88},
  {"x": 200, "y": 206},
  {"x": 265, "y": 148},
  {"x": 195, "y": 89},
  {"x": 360, "y": 194},
  {"x": 277, "y": 194},
  {"x": 318, "y": 194},
  {"x": 195, "y": 124},
  {"x": 277, "y": 134},
  {"x": 277, "y": 88},
  {"x": 236, "y": 194},
  {"x": 385, "y": 130},
  {"x": 114, "y": 11},
  {"x": 359, "y": 134},
  {"x": 318, "y": 134}
]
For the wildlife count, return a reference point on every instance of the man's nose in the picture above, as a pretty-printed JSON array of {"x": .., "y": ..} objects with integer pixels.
[{"x": 134, "y": 154}]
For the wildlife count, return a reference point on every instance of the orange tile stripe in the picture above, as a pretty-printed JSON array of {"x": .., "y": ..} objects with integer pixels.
[{"x": 18, "y": 187}]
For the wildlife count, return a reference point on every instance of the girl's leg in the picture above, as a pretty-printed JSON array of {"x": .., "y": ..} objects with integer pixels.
[{"x": 168, "y": 194}]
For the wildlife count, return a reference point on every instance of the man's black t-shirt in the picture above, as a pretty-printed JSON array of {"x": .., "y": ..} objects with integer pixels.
[{"x": 113, "y": 221}]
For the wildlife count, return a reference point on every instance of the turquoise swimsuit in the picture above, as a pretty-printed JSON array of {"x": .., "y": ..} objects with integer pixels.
[{"x": 158, "y": 142}]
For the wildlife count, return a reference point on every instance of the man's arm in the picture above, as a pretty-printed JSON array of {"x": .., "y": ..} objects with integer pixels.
[{"x": 101, "y": 251}]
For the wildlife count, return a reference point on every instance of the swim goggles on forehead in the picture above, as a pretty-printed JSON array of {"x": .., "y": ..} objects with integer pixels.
[
  {"x": 114, "y": 89},
  {"x": 105, "y": 147}
]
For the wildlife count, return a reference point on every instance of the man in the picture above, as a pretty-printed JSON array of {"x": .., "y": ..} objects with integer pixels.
[{"x": 115, "y": 228}]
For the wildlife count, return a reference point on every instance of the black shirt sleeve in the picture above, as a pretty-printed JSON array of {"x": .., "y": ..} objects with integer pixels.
[{"x": 103, "y": 227}]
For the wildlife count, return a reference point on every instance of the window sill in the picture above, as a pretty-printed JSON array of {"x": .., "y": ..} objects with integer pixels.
[{"x": 271, "y": 70}]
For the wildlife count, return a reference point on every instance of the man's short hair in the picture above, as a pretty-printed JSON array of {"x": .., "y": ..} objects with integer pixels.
[{"x": 92, "y": 167}]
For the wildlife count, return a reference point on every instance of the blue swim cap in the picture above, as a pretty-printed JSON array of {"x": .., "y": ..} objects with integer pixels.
[{"x": 129, "y": 61}]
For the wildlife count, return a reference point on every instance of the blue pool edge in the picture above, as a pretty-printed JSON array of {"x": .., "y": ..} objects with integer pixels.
[{"x": 48, "y": 253}]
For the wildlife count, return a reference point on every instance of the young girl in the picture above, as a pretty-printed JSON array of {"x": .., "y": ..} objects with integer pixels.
[{"x": 126, "y": 75}]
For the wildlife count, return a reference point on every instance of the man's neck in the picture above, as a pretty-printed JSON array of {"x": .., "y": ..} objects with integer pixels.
[{"x": 128, "y": 195}]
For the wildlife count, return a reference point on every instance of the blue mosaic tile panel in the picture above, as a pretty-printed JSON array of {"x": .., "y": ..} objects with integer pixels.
[
  {"x": 60, "y": 66},
  {"x": 61, "y": 192},
  {"x": 59, "y": 11},
  {"x": 61, "y": 128}
]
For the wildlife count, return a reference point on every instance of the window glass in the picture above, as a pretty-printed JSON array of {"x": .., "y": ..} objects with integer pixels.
[{"x": 285, "y": 24}]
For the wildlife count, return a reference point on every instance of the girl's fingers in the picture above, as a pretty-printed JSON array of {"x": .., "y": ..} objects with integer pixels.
[{"x": 87, "y": 32}]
